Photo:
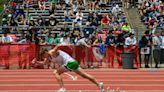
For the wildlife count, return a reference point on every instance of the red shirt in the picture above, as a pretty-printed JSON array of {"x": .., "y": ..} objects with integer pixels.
[
  {"x": 116, "y": 32},
  {"x": 105, "y": 20}
]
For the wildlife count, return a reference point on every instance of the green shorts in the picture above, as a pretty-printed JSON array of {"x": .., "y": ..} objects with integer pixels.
[{"x": 72, "y": 66}]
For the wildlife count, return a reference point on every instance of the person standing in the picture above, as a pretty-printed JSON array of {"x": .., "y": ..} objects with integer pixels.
[
  {"x": 156, "y": 52},
  {"x": 146, "y": 41},
  {"x": 111, "y": 42},
  {"x": 6, "y": 40}
]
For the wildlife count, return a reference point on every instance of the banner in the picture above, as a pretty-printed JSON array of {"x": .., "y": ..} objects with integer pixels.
[{"x": 21, "y": 55}]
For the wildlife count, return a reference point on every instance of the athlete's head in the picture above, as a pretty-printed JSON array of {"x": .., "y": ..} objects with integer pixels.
[{"x": 44, "y": 53}]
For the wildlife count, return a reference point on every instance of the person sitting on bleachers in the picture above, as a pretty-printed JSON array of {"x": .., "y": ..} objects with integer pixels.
[
  {"x": 71, "y": 12},
  {"x": 67, "y": 17},
  {"x": 79, "y": 14},
  {"x": 75, "y": 7},
  {"x": 40, "y": 21},
  {"x": 52, "y": 21},
  {"x": 126, "y": 28},
  {"x": 20, "y": 15},
  {"x": 90, "y": 17},
  {"x": 41, "y": 5},
  {"x": 95, "y": 20},
  {"x": 42, "y": 41},
  {"x": 52, "y": 9},
  {"x": 116, "y": 9},
  {"x": 49, "y": 39},
  {"x": 81, "y": 4},
  {"x": 105, "y": 20},
  {"x": 60, "y": 6},
  {"x": 78, "y": 19}
]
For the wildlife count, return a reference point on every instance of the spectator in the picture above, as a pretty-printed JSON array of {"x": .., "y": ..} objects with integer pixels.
[
  {"x": 162, "y": 38},
  {"x": 126, "y": 28},
  {"x": 31, "y": 23},
  {"x": 116, "y": 32},
  {"x": 40, "y": 21},
  {"x": 120, "y": 48},
  {"x": 79, "y": 18},
  {"x": 52, "y": 21},
  {"x": 75, "y": 7},
  {"x": 12, "y": 22},
  {"x": 79, "y": 14},
  {"x": 61, "y": 6},
  {"x": 49, "y": 39},
  {"x": 105, "y": 20},
  {"x": 90, "y": 17},
  {"x": 0, "y": 39},
  {"x": 52, "y": 9},
  {"x": 156, "y": 52},
  {"x": 126, "y": 3},
  {"x": 71, "y": 12},
  {"x": 41, "y": 5},
  {"x": 65, "y": 29},
  {"x": 22, "y": 39},
  {"x": 146, "y": 45},
  {"x": 35, "y": 38},
  {"x": 6, "y": 38},
  {"x": 81, "y": 4},
  {"x": 65, "y": 40},
  {"x": 88, "y": 30},
  {"x": 110, "y": 40},
  {"x": 161, "y": 22},
  {"x": 131, "y": 40},
  {"x": 42, "y": 41},
  {"x": 20, "y": 15},
  {"x": 116, "y": 9},
  {"x": 98, "y": 41},
  {"x": 56, "y": 39},
  {"x": 97, "y": 5},
  {"x": 95, "y": 20},
  {"x": 103, "y": 4},
  {"x": 77, "y": 22},
  {"x": 67, "y": 16},
  {"x": 68, "y": 2},
  {"x": 83, "y": 41}
]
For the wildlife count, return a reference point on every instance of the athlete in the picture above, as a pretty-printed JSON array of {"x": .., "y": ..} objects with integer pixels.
[{"x": 66, "y": 63}]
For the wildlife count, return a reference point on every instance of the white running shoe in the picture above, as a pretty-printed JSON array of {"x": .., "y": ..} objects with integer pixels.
[
  {"x": 62, "y": 90},
  {"x": 101, "y": 87}
]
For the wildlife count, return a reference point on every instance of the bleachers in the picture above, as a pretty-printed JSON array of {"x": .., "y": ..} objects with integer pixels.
[{"x": 34, "y": 14}]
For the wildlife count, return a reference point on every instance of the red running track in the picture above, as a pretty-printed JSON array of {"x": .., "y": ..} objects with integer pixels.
[{"x": 44, "y": 81}]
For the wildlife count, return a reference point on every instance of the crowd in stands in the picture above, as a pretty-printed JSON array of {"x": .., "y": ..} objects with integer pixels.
[
  {"x": 152, "y": 15},
  {"x": 17, "y": 13}
]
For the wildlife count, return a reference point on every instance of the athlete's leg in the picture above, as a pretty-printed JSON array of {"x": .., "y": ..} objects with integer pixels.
[
  {"x": 91, "y": 78},
  {"x": 57, "y": 74},
  {"x": 87, "y": 76}
]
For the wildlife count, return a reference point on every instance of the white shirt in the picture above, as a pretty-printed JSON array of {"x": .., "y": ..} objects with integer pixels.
[
  {"x": 65, "y": 40},
  {"x": 82, "y": 42},
  {"x": 79, "y": 15},
  {"x": 162, "y": 43},
  {"x": 130, "y": 41},
  {"x": 7, "y": 39},
  {"x": 63, "y": 58},
  {"x": 156, "y": 41},
  {"x": 67, "y": 1}
]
